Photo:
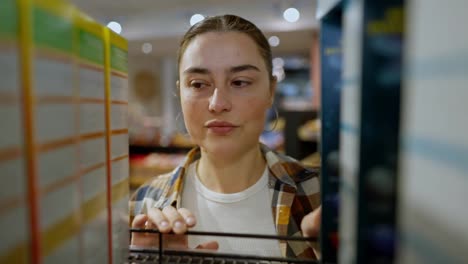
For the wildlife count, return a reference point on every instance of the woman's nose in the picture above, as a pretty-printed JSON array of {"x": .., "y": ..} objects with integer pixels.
[{"x": 219, "y": 102}]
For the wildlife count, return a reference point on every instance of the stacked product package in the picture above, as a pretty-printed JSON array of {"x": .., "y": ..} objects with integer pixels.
[
  {"x": 433, "y": 182},
  {"x": 64, "y": 143},
  {"x": 403, "y": 145}
]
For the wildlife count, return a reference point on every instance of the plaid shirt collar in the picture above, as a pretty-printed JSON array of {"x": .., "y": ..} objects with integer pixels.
[{"x": 274, "y": 162}]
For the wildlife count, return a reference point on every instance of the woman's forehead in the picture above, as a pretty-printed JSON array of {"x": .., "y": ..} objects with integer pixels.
[{"x": 218, "y": 49}]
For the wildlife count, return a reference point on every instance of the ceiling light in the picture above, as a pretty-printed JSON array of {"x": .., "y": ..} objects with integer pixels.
[
  {"x": 278, "y": 63},
  {"x": 291, "y": 15},
  {"x": 195, "y": 19},
  {"x": 274, "y": 41},
  {"x": 147, "y": 48},
  {"x": 279, "y": 73},
  {"x": 115, "y": 26}
]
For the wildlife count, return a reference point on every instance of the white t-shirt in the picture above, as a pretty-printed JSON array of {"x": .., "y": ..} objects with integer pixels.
[{"x": 248, "y": 211}]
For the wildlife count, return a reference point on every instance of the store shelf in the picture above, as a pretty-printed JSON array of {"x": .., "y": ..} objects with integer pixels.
[
  {"x": 310, "y": 131},
  {"x": 144, "y": 167},
  {"x": 312, "y": 161}
]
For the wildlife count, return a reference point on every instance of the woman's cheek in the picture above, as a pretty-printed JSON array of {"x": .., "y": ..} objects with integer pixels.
[
  {"x": 193, "y": 119},
  {"x": 255, "y": 109}
]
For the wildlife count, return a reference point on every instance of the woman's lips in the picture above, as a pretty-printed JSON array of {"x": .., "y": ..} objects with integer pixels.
[
  {"x": 220, "y": 127},
  {"x": 221, "y": 130}
]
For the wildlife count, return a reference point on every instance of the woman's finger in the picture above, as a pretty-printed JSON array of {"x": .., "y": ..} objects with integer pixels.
[
  {"x": 176, "y": 220},
  {"x": 142, "y": 239},
  {"x": 211, "y": 245},
  {"x": 157, "y": 217},
  {"x": 149, "y": 225},
  {"x": 139, "y": 221},
  {"x": 189, "y": 218},
  {"x": 310, "y": 224}
]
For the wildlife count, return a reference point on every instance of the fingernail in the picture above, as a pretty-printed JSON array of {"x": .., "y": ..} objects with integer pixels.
[
  {"x": 178, "y": 224},
  {"x": 164, "y": 224},
  {"x": 190, "y": 220}
]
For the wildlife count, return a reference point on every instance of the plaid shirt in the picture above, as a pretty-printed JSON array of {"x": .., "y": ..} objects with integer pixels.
[{"x": 296, "y": 193}]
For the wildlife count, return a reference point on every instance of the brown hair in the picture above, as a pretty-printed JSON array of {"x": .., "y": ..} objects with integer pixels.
[{"x": 228, "y": 23}]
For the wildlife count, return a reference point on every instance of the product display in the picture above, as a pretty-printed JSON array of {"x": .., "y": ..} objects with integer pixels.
[
  {"x": 117, "y": 152},
  {"x": 91, "y": 87},
  {"x": 64, "y": 190},
  {"x": 401, "y": 155},
  {"x": 13, "y": 176},
  {"x": 433, "y": 155},
  {"x": 310, "y": 131},
  {"x": 330, "y": 142},
  {"x": 372, "y": 37},
  {"x": 144, "y": 167}
]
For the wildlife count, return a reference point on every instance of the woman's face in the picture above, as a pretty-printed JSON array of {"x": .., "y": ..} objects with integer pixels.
[{"x": 225, "y": 91}]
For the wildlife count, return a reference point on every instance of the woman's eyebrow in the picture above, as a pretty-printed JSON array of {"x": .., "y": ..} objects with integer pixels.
[
  {"x": 234, "y": 69},
  {"x": 244, "y": 67},
  {"x": 197, "y": 70}
]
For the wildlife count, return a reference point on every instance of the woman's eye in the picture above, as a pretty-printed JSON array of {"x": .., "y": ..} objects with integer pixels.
[
  {"x": 198, "y": 85},
  {"x": 240, "y": 83}
]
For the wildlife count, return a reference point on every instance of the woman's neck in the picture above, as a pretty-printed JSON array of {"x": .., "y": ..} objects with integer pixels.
[{"x": 231, "y": 174}]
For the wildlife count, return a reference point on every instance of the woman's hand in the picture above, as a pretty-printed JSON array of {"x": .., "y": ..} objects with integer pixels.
[
  {"x": 310, "y": 226},
  {"x": 166, "y": 220}
]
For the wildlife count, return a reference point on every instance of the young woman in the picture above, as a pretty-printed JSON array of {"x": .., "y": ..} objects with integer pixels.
[{"x": 230, "y": 182}]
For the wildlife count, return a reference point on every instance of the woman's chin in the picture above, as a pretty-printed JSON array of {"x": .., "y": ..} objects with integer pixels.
[{"x": 223, "y": 147}]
